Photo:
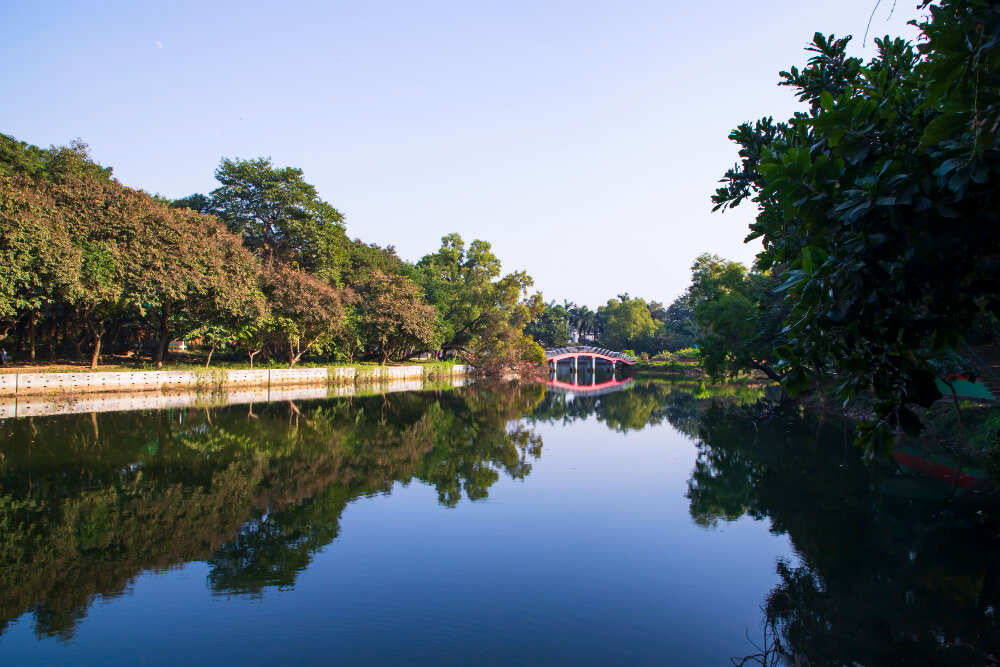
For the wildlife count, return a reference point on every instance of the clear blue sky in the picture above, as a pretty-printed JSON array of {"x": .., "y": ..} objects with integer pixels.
[{"x": 582, "y": 139}]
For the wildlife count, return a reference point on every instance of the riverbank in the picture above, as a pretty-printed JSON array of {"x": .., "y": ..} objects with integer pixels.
[
  {"x": 46, "y": 406},
  {"x": 213, "y": 379}
]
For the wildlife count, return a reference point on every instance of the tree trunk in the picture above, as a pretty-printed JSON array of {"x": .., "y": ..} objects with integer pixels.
[
  {"x": 210, "y": 351},
  {"x": 97, "y": 330},
  {"x": 31, "y": 337},
  {"x": 160, "y": 355},
  {"x": 253, "y": 353},
  {"x": 295, "y": 353}
]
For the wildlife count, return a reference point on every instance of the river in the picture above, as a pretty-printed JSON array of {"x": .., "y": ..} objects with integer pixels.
[{"x": 655, "y": 523}]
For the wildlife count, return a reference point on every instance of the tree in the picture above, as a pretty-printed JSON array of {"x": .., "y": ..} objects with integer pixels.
[
  {"x": 738, "y": 316},
  {"x": 393, "y": 317},
  {"x": 52, "y": 252},
  {"x": 194, "y": 278},
  {"x": 57, "y": 163},
  {"x": 38, "y": 256},
  {"x": 582, "y": 320},
  {"x": 479, "y": 312},
  {"x": 626, "y": 323},
  {"x": 680, "y": 329},
  {"x": 279, "y": 216},
  {"x": 877, "y": 208},
  {"x": 365, "y": 258},
  {"x": 551, "y": 328},
  {"x": 223, "y": 296},
  {"x": 305, "y": 312},
  {"x": 102, "y": 220}
]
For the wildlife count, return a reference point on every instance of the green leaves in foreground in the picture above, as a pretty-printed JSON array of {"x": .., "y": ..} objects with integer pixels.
[{"x": 877, "y": 209}]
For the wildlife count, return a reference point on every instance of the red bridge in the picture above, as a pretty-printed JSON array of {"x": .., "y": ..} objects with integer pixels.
[{"x": 555, "y": 355}]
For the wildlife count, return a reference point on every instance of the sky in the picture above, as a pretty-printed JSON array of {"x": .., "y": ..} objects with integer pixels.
[{"x": 582, "y": 139}]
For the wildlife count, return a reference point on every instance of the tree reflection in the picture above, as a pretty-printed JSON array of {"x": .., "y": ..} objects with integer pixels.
[
  {"x": 89, "y": 501},
  {"x": 889, "y": 570},
  {"x": 644, "y": 403}
]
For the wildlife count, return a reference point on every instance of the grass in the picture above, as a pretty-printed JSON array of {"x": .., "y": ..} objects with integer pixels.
[{"x": 668, "y": 369}]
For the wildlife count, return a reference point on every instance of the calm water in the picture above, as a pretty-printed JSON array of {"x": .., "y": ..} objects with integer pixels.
[{"x": 659, "y": 524}]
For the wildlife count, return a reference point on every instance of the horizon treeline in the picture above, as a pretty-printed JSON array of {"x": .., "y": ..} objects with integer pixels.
[
  {"x": 623, "y": 323},
  {"x": 262, "y": 265}
]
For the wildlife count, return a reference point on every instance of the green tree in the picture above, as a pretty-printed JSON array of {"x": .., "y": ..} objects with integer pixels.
[
  {"x": 279, "y": 215},
  {"x": 54, "y": 164},
  {"x": 583, "y": 320},
  {"x": 365, "y": 258},
  {"x": 551, "y": 328},
  {"x": 877, "y": 207},
  {"x": 738, "y": 316},
  {"x": 680, "y": 329},
  {"x": 626, "y": 323},
  {"x": 480, "y": 313}
]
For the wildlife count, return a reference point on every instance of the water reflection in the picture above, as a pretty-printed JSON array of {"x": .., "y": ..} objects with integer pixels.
[
  {"x": 89, "y": 501},
  {"x": 890, "y": 567}
]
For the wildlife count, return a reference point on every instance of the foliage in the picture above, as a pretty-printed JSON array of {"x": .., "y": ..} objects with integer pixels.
[
  {"x": 90, "y": 263},
  {"x": 394, "y": 320},
  {"x": 305, "y": 312},
  {"x": 38, "y": 256},
  {"x": 738, "y": 316},
  {"x": 279, "y": 215},
  {"x": 57, "y": 163},
  {"x": 365, "y": 258},
  {"x": 583, "y": 320},
  {"x": 479, "y": 313},
  {"x": 551, "y": 328},
  {"x": 627, "y": 323},
  {"x": 112, "y": 252},
  {"x": 877, "y": 207},
  {"x": 679, "y": 327}
]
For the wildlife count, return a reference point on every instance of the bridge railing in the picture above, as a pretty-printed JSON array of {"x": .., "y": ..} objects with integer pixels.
[{"x": 587, "y": 349}]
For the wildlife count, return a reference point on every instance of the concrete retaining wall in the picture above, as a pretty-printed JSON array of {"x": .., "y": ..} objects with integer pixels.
[
  {"x": 37, "y": 406},
  {"x": 48, "y": 384}
]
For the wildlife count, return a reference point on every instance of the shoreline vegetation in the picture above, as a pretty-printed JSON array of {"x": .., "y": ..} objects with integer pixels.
[{"x": 261, "y": 268}]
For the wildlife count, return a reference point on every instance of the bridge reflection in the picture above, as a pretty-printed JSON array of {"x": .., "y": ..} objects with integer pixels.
[
  {"x": 594, "y": 389},
  {"x": 591, "y": 379}
]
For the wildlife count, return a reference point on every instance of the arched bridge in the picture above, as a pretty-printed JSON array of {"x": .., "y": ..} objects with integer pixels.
[{"x": 557, "y": 354}]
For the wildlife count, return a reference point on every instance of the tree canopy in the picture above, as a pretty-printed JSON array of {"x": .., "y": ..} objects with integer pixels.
[
  {"x": 626, "y": 323},
  {"x": 877, "y": 207},
  {"x": 262, "y": 264},
  {"x": 279, "y": 215},
  {"x": 479, "y": 312}
]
